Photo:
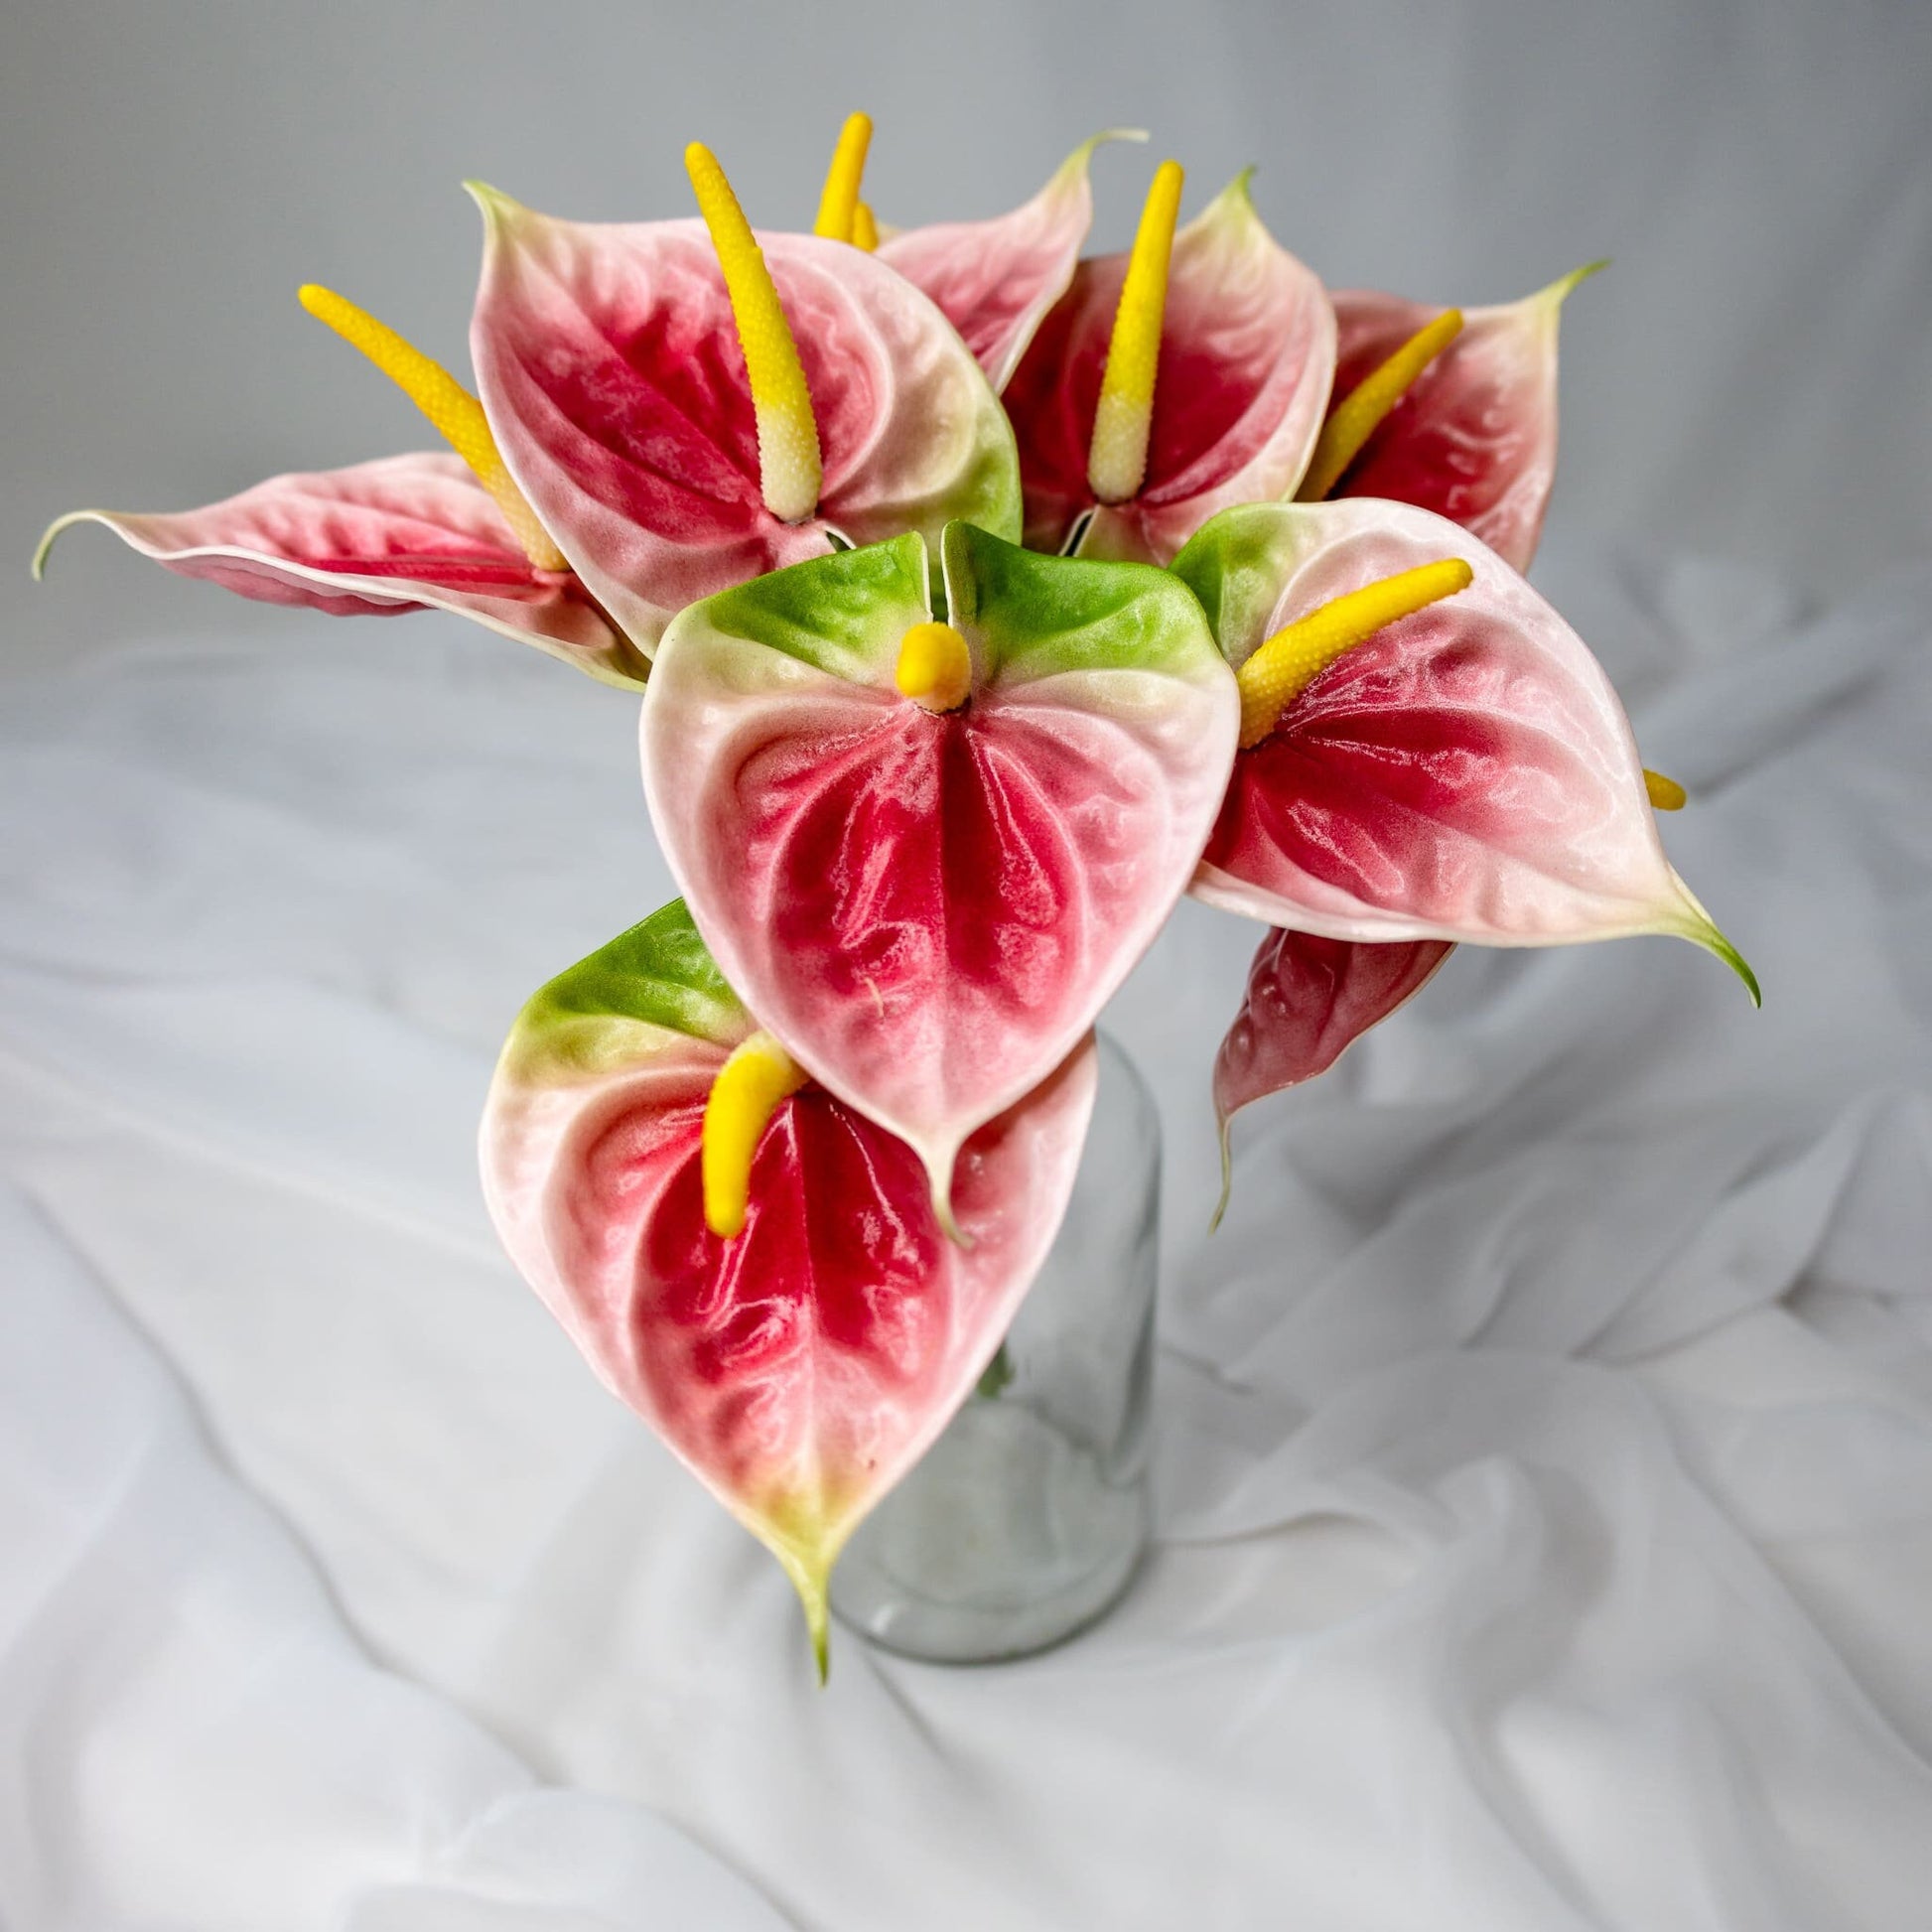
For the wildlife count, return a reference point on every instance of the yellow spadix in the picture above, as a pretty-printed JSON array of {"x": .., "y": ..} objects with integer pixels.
[
  {"x": 839, "y": 204},
  {"x": 456, "y": 415},
  {"x": 746, "y": 1094},
  {"x": 1289, "y": 662},
  {"x": 1116, "y": 456},
  {"x": 935, "y": 667},
  {"x": 1360, "y": 413},
  {"x": 790, "y": 471},
  {"x": 1665, "y": 794}
]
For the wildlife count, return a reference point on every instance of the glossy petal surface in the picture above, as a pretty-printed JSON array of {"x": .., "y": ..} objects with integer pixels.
[
  {"x": 1474, "y": 439},
  {"x": 610, "y": 365},
  {"x": 1465, "y": 773},
  {"x": 801, "y": 1369},
  {"x": 995, "y": 280},
  {"x": 929, "y": 909},
  {"x": 1308, "y": 1000},
  {"x": 1247, "y": 352},
  {"x": 405, "y": 532}
]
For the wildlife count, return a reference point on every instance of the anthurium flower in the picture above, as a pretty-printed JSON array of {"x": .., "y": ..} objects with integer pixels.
[
  {"x": 1428, "y": 750},
  {"x": 1453, "y": 412},
  {"x": 687, "y": 406},
  {"x": 1171, "y": 382},
  {"x": 1309, "y": 999},
  {"x": 431, "y": 531},
  {"x": 995, "y": 280},
  {"x": 803, "y": 1363},
  {"x": 924, "y": 850}
]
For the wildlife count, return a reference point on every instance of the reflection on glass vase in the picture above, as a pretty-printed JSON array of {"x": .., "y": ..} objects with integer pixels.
[{"x": 1025, "y": 1520}]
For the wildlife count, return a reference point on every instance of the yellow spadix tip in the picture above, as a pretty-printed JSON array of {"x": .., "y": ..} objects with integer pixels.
[
  {"x": 838, "y": 205},
  {"x": 1665, "y": 794},
  {"x": 790, "y": 470},
  {"x": 456, "y": 416},
  {"x": 1116, "y": 456},
  {"x": 1282, "y": 668},
  {"x": 1361, "y": 412},
  {"x": 935, "y": 667},
  {"x": 759, "y": 1075}
]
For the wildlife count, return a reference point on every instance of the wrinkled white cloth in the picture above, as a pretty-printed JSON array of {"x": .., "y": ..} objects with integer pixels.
[{"x": 1544, "y": 1451}]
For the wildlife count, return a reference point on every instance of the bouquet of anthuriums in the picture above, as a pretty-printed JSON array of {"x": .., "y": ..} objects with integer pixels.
[{"x": 983, "y": 601}]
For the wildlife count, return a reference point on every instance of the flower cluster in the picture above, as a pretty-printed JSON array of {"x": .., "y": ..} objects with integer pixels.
[{"x": 983, "y": 600}]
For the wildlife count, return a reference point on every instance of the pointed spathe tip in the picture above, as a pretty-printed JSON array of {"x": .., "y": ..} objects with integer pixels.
[
  {"x": 43, "y": 549},
  {"x": 1073, "y": 169},
  {"x": 497, "y": 208},
  {"x": 818, "y": 1620},
  {"x": 1702, "y": 930},
  {"x": 939, "y": 1162},
  {"x": 1558, "y": 291},
  {"x": 1713, "y": 941},
  {"x": 1235, "y": 203},
  {"x": 811, "y": 1578},
  {"x": 1227, "y": 1174},
  {"x": 944, "y": 1214}
]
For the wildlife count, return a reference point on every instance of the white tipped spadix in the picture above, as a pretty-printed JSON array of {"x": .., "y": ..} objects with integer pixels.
[
  {"x": 1116, "y": 456},
  {"x": 790, "y": 473}
]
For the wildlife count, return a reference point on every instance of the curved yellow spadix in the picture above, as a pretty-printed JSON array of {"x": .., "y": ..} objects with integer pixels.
[
  {"x": 935, "y": 667},
  {"x": 1359, "y": 413},
  {"x": 789, "y": 472},
  {"x": 838, "y": 205},
  {"x": 1289, "y": 662},
  {"x": 746, "y": 1094},
  {"x": 456, "y": 415},
  {"x": 1116, "y": 456},
  {"x": 1665, "y": 794},
  {"x": 865, "y": 227}
]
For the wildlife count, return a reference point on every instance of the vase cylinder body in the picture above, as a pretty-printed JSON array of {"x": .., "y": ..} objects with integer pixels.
[{"x": 1025, "y": 1520}]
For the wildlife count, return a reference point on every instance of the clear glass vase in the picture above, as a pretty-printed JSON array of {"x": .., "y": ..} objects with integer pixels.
[{"x": 1024, "y": 1521}]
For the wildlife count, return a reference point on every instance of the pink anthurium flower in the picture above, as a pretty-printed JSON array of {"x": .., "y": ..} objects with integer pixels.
[
  {"x": 800, "y": 1364},
  {"x": 1309, "y": 999},
  {"x": 927, "y": 852},
  {"x": 995, "y": 280},
  {"x": 403, "y": 533},
  {"x": 681, "y": 429},
  {"x": 664, "y": 413},
  {"x": 432, "y": 531},
  {"x": 1453, "y": 412},
  {"x": 1428, "y": 750},
  {"x": 1171, "y": 382}
]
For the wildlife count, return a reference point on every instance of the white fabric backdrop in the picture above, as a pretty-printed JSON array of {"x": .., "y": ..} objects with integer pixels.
[
  {"x": 1546, "y": 1446},
  {"x": 1546, "y": 1452}
]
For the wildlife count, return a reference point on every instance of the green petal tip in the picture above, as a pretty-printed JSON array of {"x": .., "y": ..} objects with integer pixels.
[
  {"x": 813, "y": 1583},
  {"x": 1558, "y": 291},
  {"x": 48, "y": 536},
  {"x": 494, "y": 204},
  {"x": 1227, "y": 1178},
  {"x": 1713, "y": 941}
]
